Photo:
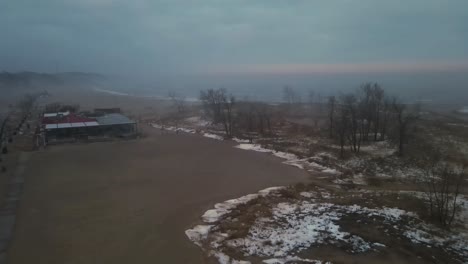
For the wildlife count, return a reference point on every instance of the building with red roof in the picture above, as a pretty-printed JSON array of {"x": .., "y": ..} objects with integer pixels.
[{"x": 66, "y": 125}]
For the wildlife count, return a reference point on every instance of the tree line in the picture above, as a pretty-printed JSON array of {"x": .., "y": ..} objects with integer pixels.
[
  {"x": 223, "y": 108},
  {"x": 353, "y": 118},
  {"x": 369, "y": 115}
]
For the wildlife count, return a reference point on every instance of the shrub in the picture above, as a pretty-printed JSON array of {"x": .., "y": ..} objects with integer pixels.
[{"x": 443, "y": 185}]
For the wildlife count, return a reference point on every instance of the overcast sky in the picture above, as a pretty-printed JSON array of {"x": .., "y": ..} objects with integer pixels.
[{"x": 213, "y": 36}]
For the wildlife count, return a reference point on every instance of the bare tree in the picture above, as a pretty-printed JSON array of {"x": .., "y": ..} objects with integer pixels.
[
  {"x": 246, "y": 116},
  {"x": 356, "y": 122},
  {"x": 371, "y": 97},
  {"x": 212, "y": 102},
  {"x": 366, "y": 109},
  {"x": 2, "y": 129},
  {"x": 341, "y": 127},
  {"x": 320, "y": 101},
  {"x": 386, "y": 111},
  {"x": 331, "y": 113},
  {"x": 227, "y": 114},
  {"x": 443, "y": 182},
  {"x": 264, "y": 116},
  {"x": 292, "y": 99},
  {"x": 178, "y": 102},
  {"x": 405, "y": 117},
  {"x": 313, "y": 108},
  {"x": 378, "y": 98},
  {"x": 179, "y": 108},
  {"x": 220, "y": 107},
  {"x": 289, "y": 95},
  {"x": 254, "y": 117}
]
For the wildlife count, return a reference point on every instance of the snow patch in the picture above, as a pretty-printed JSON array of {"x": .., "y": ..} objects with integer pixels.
[
  {"x": 238, "y": 140},
  {"x": 221, "y": 209},
  {"x": 331, "y": 171},
  {"x": 295, "y": 227},
  {"x": 290, "y": 159},
  {"x": 254, "y": 147},
  {"x": 292, "y": 227},
  {"x": 292, "y": 260},
  {"x": 213, "y": 136},
  {"x": 173, "y": 129},
  {"x": 198, "y": 233},
  {"x": 309, "y": 194},
  {"x": 225, "y": 259}
]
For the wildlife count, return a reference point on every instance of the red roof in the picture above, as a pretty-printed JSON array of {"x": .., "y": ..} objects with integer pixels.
[{"x": 71, "y": 118}]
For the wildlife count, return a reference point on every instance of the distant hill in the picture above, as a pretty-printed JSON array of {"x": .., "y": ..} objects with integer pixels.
[{"x": 34, "y": 80}]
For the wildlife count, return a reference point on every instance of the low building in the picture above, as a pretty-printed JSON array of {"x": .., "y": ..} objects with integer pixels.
[{"x": 66, "y": 126}]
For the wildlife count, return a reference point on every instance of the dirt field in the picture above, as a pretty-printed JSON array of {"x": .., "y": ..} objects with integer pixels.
[{"x": 130, "y": 202}]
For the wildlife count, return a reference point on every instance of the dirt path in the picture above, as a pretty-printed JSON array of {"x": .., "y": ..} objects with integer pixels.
[{"x": 130, "y": 202}]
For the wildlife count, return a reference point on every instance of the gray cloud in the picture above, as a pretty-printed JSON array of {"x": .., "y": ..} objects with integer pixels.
[{"x": 117, "y": 36}]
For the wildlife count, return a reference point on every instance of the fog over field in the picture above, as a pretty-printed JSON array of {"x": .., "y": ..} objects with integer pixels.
[
  {"x": 435, "y": 87},
  {"x": 416, "y": 49}
]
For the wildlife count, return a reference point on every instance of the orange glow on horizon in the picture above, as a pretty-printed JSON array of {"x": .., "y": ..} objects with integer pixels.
[{"x": 337, "y": 68}]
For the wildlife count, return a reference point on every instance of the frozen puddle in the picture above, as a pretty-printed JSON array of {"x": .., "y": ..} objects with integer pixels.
[{"x": 294, "y": 226}]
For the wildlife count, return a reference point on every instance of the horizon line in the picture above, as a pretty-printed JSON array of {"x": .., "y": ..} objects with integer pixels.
[{"x": 337, "y": 68}]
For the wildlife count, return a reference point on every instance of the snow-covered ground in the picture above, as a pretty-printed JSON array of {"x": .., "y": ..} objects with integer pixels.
[
  {"x": 298, "y": 226},
  {"x": 301, "y": 224},
  {"x": 213, "y": 136}
]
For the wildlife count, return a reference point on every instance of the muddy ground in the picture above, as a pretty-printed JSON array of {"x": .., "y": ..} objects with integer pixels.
[{"x": 131, "y": 201}]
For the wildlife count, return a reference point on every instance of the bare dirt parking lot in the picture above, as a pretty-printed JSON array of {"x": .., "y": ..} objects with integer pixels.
[{"x": 131, "y": 201}]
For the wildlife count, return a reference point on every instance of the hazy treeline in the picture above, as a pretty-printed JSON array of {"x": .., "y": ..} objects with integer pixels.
[
  {"x": 43, "y": 80},
  {"x": 369, "y": 114},
  {"x": 9, "y": 126},
  {"x": 351, "y": 119}
]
